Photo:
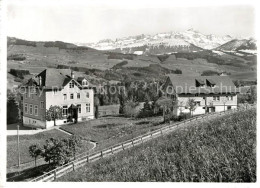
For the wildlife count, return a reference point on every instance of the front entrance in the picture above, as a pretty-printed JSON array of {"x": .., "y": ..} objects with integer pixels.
[
  {"x": 73, "y": 114},
  {"x": 211, "y": 109}
]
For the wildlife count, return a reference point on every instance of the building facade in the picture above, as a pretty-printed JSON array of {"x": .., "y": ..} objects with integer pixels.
[
  {"x": 57, "y": 87},
  {"x": 207, "y": 93}
]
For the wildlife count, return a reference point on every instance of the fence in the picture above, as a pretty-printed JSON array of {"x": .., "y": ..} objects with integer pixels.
[{"x": 83, "y": 158}]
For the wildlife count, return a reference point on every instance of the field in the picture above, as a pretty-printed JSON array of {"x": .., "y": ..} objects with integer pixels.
[
  {"x": 27, "y": 140},
  {"x": 107, "y": 131},
  {"x": 218, "y": 150}
]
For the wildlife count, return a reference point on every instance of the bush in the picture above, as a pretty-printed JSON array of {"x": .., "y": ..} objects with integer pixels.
[
  {"x": 120, "y": 65},
  {"x": 184, "y": 116},
  {"x": 16, "y": 57},
  {"x": 19, "y": 73},
  {"x": 209, "y": 73},
  {"x": 59, "y": 151}
]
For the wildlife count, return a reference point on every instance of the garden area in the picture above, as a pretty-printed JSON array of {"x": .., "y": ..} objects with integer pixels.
[{"x": 107, "y": 131}]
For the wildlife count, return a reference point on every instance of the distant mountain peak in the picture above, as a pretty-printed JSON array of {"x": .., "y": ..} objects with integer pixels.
[{"x": 167, "y": 39}]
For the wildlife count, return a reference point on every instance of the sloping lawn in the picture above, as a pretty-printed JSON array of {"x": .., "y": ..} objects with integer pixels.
[
  {"x": 218, "y": 150},
  {"x": 108, "y": 131},
  {"x": 25, "y": 142}
]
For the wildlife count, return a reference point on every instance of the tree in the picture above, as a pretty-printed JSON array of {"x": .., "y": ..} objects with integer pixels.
[
  {"x": 96, "y": 104},
  {"x": 166, "y": 104},
  {"x": 12, "y": 109},
  {"x": 61, "y": 151},
  {"x": 54, "y": 113},
  {"x": 253, "y": 94},
  {"x": 74, "y": 144},
  {"x": 131, "y": 109},
  {"x": 35, "y": 151},
  {"x": 191, "y": 104}
]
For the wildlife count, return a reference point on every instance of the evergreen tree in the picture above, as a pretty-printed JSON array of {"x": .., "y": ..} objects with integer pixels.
[{"x": 12, "y": 109}]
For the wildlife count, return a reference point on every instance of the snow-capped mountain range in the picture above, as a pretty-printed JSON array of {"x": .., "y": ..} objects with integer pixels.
[{"x": 182, "y": 40}]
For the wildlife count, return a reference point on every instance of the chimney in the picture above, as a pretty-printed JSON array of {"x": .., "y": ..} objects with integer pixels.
[
  {"x": 40, "y": 81},
  {"x": 72, "y": 74}
]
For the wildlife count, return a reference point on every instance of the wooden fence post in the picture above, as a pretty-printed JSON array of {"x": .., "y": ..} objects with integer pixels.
[
  {"x": 123, "y": 146},
  {"x": 142, "y": 140},
  {"x": 55, "y": 175},
  {"x": 87, "y": 159},
  {"x": 101, "y": 153},
  {"x": 161, "y": 130},
  {"x": 133, "y": 142},
  {"x": 73, "y": 166},
  {"x": 112, "y": 150}
]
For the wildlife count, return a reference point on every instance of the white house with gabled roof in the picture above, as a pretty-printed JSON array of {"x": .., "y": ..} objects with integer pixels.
[
  {"x": 57, "y": 87},
  {"x": 209, "y": 93}
]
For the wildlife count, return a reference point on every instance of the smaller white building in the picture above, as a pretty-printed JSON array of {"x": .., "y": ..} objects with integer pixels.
[{"x": 207, "y": 93}]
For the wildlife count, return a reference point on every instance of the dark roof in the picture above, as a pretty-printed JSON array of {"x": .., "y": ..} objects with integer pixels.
[
  {"x": 187, "y": 84},
  {"x": 79, "y": 79},
  {"x": 54, "y": 78}
]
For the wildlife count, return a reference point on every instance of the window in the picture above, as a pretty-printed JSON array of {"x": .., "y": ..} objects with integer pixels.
[
  {"x": 26, "y": 108},
  {"x": 42, "y": 104},
  {"x": 79, "y": 108},
  {"x": 87, "y": 107},
  {"x": 217, "y": 98},
  {"x": 65, "y": 96},
  {"x": 87, "y": 94},
  {"x": 31, "y": 109},
  {"x": 78, "y": 95},
  {"x": 71, "y": 84},
  {"x": 64, "y": 110},
  {"x": 36, "y": 110},
  {"x": 71, "y": 96},
  {"x": 197, "y": 103},
  {"x": 55, "y": 91},
  {"x": 230, "y": 98}
]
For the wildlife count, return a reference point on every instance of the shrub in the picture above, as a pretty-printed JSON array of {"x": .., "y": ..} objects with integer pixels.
[
  {"x": 19, "y": 73},
  {"x": 16, "y": 57},
  {"x": 60, "y": 152},
  {"x": 209, "y": 73}
]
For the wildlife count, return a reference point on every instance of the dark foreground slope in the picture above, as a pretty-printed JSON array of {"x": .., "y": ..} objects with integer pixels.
[{"x": 220, "y": 150}]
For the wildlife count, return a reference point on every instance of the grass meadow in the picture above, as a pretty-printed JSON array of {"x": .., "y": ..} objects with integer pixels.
[{"x": 218, "y": 150}]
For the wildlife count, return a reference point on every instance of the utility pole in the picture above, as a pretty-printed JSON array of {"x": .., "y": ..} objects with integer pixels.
[{"x": 18, "y": 145}]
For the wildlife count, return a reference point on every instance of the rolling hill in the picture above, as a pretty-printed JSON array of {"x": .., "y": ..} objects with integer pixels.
[
  {"x": 37, "y": 56},
  {"x": 239, "y": 45}
]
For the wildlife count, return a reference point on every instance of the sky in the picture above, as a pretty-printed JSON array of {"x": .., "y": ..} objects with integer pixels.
[{"x": 78, "y": 21}]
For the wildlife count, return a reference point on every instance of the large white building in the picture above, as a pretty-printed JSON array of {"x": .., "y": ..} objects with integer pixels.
[
  {"x": 57, "y": 87},
  {"x": 209, "y": 93}
]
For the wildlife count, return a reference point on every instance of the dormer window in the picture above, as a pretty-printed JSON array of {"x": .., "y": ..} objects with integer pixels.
[
  {"x": 210, "y": 83},
  {"x": 84, "y": 83},
  {"x": 200, "y": 83}
]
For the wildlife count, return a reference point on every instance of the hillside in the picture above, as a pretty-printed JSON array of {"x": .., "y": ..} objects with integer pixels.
[
  {"x": 219, "y": 150},
  {"x": 104, "y": 65},
  {"x": 239, "y": 45}
]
